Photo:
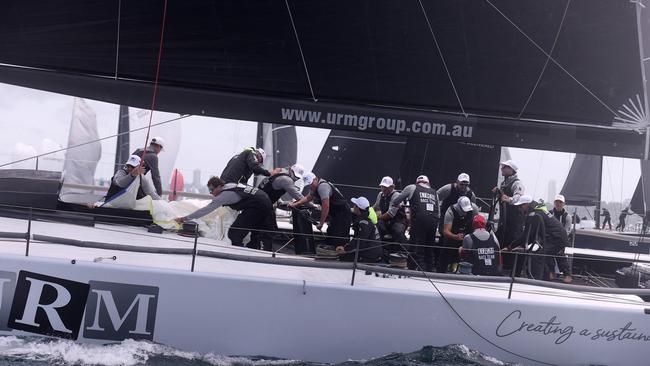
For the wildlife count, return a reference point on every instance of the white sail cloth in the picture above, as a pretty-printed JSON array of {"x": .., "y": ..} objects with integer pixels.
[{"x": 214, "y": 225}]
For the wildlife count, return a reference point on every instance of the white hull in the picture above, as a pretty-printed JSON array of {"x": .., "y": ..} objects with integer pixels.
[{"x": 314, "y": 314}]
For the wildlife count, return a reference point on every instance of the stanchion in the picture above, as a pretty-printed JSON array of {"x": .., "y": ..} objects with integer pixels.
[{"x": 354, "y": 266}]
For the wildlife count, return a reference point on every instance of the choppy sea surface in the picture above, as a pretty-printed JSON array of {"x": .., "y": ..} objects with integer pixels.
[{"x": 28, "y": 351}]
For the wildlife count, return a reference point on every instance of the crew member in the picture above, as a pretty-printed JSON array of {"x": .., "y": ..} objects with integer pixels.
[
  {"x": 283, "y": 183},
  {"x": 481, "y": 249},
  {"x": 150, "y": 156},
  {"x": 510, "y": 218},
  {"x": 450, "y": 193},
  {"x": 425, "y": 214},
  {"x": 131, "y": 173},
  {"x": 608, "y": 219},
  {"x": 621, "y": 219},
  {"x": 334, "y": 206},
  {"x": 560, "y": 213},
  {"x": 394, "y": 225},
  {"x": 243, "y": 165},
  {"x": 366, "y": 235},
  {"x": 457, "y": 223},
  {"x": 256, "y": 214},
  {"x": 542, "y": 234}
]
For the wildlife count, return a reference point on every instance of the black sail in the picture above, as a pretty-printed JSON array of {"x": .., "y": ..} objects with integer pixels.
[
  {"x": 494, "y": 72},
  {"x": 582, "y": 185}
]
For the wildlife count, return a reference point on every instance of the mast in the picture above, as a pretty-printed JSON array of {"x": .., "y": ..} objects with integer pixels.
[
  {"x": 639, "y": 8},
  {"x": 123, "y": 142}
]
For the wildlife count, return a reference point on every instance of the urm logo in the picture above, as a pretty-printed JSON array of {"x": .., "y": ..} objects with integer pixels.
[
  {"x": 117, "y": 311},
  {"x": 48, "y": 305}
]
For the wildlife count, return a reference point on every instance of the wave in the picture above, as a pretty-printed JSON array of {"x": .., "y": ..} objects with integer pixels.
[{"x": 35, "y": 351}]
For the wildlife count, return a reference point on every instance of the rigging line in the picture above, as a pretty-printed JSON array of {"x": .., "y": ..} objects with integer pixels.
[
  {"x": 442, "y": 57},
  {"x": 93, "y": 141},
  {"x": 117, "y": 46},
  {"x": 539, "y": 79},
  {"x": 302, "y": 55},
  {"x": 539, "y": 169},
  {"x": 551, "y": 58},
  {"x": 460, "y": 317},
  {"x": 155, "y": 82}
]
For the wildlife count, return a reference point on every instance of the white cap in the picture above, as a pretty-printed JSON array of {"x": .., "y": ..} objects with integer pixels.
[
  {"x": 463, "y": 177},
  {"x": 158, "y": 141},
  {"x": 308, "y": 178},
  {"x": 386, "y": 182},
  {"x": 524, "y": 199},
  {"x": 361, "y": 202},
  {"x": 465, "y": 204},
  {"x": 422, "y": 179},
  {"x": 560, "y": 197},
  {"x": 511, "y": 163},
  {"x": 298, "y": 170},
  {"x": 133, "y": 161},
  {"x": 261, "y": 151}
]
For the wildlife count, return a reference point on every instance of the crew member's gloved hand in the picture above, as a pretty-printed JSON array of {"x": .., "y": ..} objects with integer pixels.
[
  {"x": 319, "y": 226},
  {"x": 340, "y": 249}
]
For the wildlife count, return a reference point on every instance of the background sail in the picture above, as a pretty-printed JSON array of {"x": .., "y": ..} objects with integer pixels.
[
  {"x": 81, "y": 162},
  {"x": 123, "y": 147},
  {"x": 356, "y": 162},
  {"x": 582, "y": 186},
  {"x": 640, "y": 203}
]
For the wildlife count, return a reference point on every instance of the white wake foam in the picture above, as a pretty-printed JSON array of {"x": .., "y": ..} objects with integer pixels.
[{"x": 126, "y": 353}]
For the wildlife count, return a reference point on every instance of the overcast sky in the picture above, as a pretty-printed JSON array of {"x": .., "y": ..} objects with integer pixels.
[{"x": 29, "y": 117}]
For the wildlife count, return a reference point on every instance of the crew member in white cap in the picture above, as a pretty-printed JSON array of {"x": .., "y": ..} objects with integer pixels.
[
  {"x": 243, "y": 165},
  {"x": 150, "y": 156},
  {"x": 425, "y": 214},
  {"x": 510, "y": 219},
  {"x": 283, "y": 183},
  {"x": 542, "y": 234},
  {"x": 396, "y": 224},
  {"x": 456, "y": 224},
  {"x": 334, "y": 207},
  {"x": 123, "y": 178},
  {"x": 450, "y": 193},
  {"x": 365, "y": 232},
  {"x": 560, "y": 213}
]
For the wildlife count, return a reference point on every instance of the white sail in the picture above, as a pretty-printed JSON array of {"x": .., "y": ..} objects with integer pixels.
[{"x": 81, "y": 162}]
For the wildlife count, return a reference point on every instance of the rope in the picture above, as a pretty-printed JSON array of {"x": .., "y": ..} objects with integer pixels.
[
  {"x": 442, "y": 57},
  {"x": 302, "y": 55},
  {"x": 557, "y": 35},
  {"x": 551, "y": 58},
  {"x": 155, "y": 83}
]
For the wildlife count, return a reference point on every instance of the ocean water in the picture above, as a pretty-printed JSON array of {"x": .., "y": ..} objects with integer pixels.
[{"x": 33, "y": 351}]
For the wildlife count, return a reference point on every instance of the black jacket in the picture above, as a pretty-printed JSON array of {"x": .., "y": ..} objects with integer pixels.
[
  {"x": 241, "y": 166},
  {"x": 543, "y": 228},
  {"x": 150, "y": 164}
]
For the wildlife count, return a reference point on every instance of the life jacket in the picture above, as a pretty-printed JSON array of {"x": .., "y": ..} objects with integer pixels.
[
  {"x": 384, "y": 206},
  {"x": 462, "y": 220},
  {"x": 267, "y": 186},
  {"x": 369, "y": 246},
  {"x": 114, "y": 188},
  {"x": 484, "y": 256},
  {"x": 250, "y": 197},
  {"x": 561, "y": 216},
  {"x": 453, "y": 197},
  {"x": 337, "y": 201},
  {"x": 424, "y": 204}
]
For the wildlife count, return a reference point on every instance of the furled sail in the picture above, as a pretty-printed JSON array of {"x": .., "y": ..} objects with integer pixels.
[
  {"x": 81, "y": 162},
  {"x": 582, "y": 185},
  {"x": 492, "y": 72}
]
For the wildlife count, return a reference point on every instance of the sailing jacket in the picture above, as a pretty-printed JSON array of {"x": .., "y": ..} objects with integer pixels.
[
  {"x": 242, "y": 166},
  {"x": 449, "y": 195},
  {"x": 279, "y": 185},
  {"x": 369, "y": 241},
  {"x": 239, "y": 197},
  {"x": 122, "y": 179},
  {"x": 563, "y": 217},
  {"x": 383, "y": 205},
  {"x": 542, "y": 227},
  {"x": 150, "y": 164}
]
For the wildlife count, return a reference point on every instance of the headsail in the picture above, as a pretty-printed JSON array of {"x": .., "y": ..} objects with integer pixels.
[{"x": 81, "y": 162}]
